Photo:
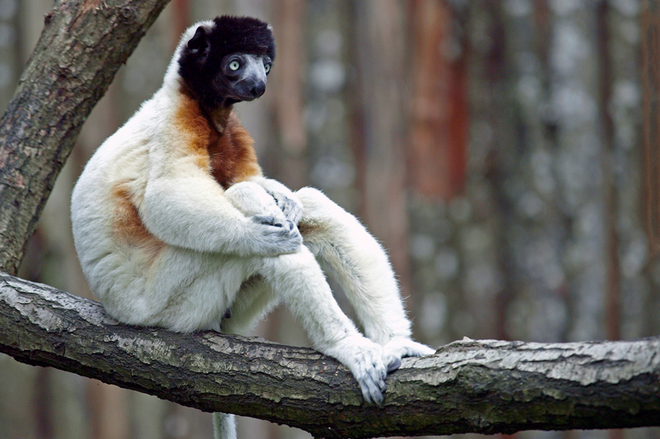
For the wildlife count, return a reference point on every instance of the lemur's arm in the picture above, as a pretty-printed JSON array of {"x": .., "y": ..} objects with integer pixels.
[{"x": 191, "y": 210}]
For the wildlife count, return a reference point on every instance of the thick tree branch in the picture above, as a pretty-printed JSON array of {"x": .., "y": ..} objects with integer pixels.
[
  {"x": 83, "y": 44},
  {"x": 468, "y": 386}
]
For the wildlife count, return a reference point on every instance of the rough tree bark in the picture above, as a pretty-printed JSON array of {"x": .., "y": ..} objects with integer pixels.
[
  {"x": 467, "y": 386},
  {"x": 83, "y": 44}
]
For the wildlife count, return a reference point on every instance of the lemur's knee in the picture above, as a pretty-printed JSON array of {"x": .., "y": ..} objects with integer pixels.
[
  {"x": 320, "y": 212},
  {"x": 317, "y": 212},
  {"x": 251, "y": 199},
  {"x": 314, "y": 201}
]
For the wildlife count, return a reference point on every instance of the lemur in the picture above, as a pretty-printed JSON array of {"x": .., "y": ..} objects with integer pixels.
[{"x": 176, "y": 226}]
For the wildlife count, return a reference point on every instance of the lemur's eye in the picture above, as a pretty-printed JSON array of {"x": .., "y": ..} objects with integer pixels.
[
  {"x": 234, "y": 65},
  {"x": 267, "y": 68}
]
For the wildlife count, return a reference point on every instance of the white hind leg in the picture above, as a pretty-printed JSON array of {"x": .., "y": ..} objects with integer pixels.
[
  {"x": 359, "y": 263},
  {"x": 298, "y": 280}
]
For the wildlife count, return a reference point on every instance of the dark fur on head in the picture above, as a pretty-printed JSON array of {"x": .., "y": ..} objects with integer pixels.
[
  {"x": 199, "y": 64},
  {"x": 244, "y": 34}
]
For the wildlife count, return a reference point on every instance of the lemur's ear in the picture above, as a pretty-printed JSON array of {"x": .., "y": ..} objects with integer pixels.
[{"x": 199, "y": 44}]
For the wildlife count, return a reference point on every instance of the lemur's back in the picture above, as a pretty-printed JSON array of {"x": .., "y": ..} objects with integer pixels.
[{"x": 108, "y": 233}]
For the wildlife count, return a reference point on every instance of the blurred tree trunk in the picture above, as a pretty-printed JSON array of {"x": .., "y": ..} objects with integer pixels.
[
  {"x": 545, "y": 242},
  {"x": 649, "y": 94},
  {"x": 438, "y": 102},
  {"x": 545, "y": 231},
  {"x": 379, "y": 28},
  {"x": 291, "y": 165},
  {"x": 454, "y": 209},
  {"x": 570, "y": 175}
]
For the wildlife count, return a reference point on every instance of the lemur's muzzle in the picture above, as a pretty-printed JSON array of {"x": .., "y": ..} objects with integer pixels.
[{"x": 250, "y": 89}]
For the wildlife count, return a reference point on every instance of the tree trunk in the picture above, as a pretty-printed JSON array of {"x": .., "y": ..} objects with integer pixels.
[
  {"x": 83, "y": 44},
  {"x": 467, "y": 386}
]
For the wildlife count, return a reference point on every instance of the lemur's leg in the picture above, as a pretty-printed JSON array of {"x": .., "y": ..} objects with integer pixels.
[
  {"x": 298, "y": 280},
  {"x": 224, "y": 426},
  {"x": 254, "y": 300},
  {"x": 359, "y": 263}
]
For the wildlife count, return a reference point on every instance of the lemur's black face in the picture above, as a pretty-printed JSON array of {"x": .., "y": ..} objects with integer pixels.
[
  {"x": 228, "y": 62},
  {"x": 242, "y": 76}
]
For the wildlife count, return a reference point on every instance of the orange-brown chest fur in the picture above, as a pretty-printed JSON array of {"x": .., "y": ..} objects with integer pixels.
[{"x": 227, "y": 154}]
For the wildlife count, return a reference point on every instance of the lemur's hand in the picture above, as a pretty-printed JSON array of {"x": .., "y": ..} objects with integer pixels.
[
  {"x": 289, "y": 204},
  {"x": 270, "y": 236},
  {"x": 285, "y": 199}
]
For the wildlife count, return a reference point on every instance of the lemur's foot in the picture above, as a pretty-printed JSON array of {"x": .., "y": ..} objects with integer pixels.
[
  {"x": 365, "y": 360},
  {"x": 400, "y": 347}
]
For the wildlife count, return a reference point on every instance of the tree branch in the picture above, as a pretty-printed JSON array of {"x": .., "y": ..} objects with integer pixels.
[
  {"x": 83, "y": 44},
  {"x": 468, "y": 386}
]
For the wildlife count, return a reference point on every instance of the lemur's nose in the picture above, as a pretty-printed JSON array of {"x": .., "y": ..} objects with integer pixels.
[{"x": 258, "y": 89}]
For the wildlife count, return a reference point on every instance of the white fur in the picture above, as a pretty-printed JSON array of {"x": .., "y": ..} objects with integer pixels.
[{"x": 213, "y": 241}]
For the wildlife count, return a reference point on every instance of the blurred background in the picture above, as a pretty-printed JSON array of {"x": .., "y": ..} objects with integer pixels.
[{"x": 502, "y": 151}]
